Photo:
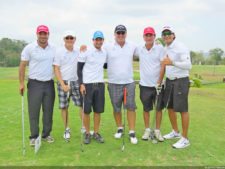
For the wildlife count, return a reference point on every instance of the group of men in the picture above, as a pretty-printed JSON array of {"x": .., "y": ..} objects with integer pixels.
[{"x": 80, "y": 76}]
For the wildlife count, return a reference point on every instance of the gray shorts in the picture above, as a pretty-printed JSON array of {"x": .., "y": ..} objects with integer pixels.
[
  {"x": 148, "y": 98},
  {"x": 116, "y": 96},
  {"x": 176, "y": 94},
  {"x": 74, "y": 94}
]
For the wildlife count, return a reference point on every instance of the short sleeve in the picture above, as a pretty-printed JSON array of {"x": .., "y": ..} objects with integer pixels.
[
  {"x": 25, "y": 55},
  {"x": 82, "y": 56},
  {"x": 56, "y": 60}
]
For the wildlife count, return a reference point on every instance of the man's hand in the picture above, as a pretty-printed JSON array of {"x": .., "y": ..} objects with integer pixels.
[
  {"x": 83, "y": 48},
  {"x": 65, "y": 88},
  {"x": 82, "y": 89},
  {"x": 158, "y": 88},
  {"x": 167, "y": 61},
  {"x": 21, "y": 89}
]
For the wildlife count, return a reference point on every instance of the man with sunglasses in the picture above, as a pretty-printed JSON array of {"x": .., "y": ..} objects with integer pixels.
[
  {"x": 40, "y": 86},
  {"x": 65, "y": 66},
  {"x": 178, "y": 65},
  {"x": 151, "y": 74},
  {"x": 92, "y": 88},
  {"x": 120, "y": 75}
]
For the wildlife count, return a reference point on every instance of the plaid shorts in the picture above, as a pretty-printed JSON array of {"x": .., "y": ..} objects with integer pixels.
[
  {"x": 116, "y": 96},
  {"x": 74, "y": 94}
]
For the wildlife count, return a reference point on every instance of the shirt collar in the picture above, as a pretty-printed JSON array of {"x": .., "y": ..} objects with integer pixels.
[{"x": 37, "y": 45}]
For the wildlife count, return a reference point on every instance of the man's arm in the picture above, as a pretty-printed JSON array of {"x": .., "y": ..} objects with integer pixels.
[
  {"x": 58, "y": 75},
  {"x": 80, "y": 66},
  {"x": 22, "y": 69}
]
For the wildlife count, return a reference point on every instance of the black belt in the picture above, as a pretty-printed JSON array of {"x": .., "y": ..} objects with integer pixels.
[
  {"x": 94, "y": 84},
  {"x": 35, "y": 80}
]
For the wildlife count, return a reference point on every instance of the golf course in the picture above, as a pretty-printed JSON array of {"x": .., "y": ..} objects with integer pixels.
[{"x": 206, "y": 131}]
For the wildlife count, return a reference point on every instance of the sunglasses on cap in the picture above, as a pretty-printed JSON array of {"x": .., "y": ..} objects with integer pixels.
[
  {"x": 69, "y": 38},
  {"x": 120, "y": 33},
  {"x": 167, "y": 33}
]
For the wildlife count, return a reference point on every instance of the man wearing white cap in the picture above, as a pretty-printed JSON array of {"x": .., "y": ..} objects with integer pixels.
[
  {"x": 178, "y": 65},
  {"x": 151, "y": 75},
  {"x": 65, "y": 66},
  {"x": 40, "y": 86}
]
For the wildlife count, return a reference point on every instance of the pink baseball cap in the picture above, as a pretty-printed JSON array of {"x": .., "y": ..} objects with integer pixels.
[
  {"x": 42, "y": 28},
  {"x": 149, "y": 30}
]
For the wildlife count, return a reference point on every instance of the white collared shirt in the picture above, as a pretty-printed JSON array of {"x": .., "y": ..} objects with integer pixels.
[
  {"x": 40, "y": 61},
  {"x": 180, "y": 56},
  {"x": 149, "y": 63},
  {"x": 94, "y": 60},
  {"x": 67, "y": 61},
  {"x": 120, "y": 62}
]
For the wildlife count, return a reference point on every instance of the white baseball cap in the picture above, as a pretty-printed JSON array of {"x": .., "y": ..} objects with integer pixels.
[
  {"x": 69, "y": 33},
  {"x": 168, "y": 28}
]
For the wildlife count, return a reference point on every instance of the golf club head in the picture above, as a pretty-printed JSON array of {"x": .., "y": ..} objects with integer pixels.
[{"x": 122, "y": 148}]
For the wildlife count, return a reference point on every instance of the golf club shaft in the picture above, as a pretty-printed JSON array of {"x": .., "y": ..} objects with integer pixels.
[
  {"x": 124, "y": 111},
  {"x": 23, "y": 134}
]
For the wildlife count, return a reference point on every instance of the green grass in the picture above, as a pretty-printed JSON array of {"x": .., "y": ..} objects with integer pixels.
[{"x": 206, "y": 133}]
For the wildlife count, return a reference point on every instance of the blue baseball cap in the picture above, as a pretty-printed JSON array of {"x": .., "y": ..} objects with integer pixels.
[{"x": 98, "y": 34}]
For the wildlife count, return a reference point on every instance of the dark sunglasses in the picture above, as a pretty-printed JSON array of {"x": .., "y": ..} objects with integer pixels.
[
  {"x": 120, "y": 33},
  {"x": 69, "y": 38},
  {"x": 167, "y": 33}
]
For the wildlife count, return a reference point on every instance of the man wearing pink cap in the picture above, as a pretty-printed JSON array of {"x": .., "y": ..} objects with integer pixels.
[
  {"x": 40, "y": 86},
  {"x": 151, "y": 75}
]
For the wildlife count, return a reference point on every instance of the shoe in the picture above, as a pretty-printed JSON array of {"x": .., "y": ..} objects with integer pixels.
[
  {"x": 98, "y": 137},
  {"x": 32, "y": 142},
  {"x": 158, "y": 135},
  {"x": 87, "y": 138},
  {"x": 48, "y": 139},
  {"x": 182, "y": 143},
  {"x": 172, "y": 135},
  {"x": 118, "y": 134},
  {"x": 146, "y": 135},
  {"x": 133, "y": 138},
  {"x": 82, "y": 130},
  {"x": 66, "y": 134}
]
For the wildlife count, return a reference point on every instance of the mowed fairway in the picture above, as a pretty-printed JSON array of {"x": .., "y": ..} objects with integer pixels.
[{"x": 206, "y": 133}]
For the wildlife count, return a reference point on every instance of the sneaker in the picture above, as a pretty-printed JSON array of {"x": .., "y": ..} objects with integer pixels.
[
  {"x": 82, "y": 130},
  {"x": 87, "y": 138},
  {"x": 172, "y": 135},
  {"x": 182, "y": 143},
  {"x": 32, "y": 142},
  {"x": 98, "y": 137},
  {"x": 146, "y": 135},
  {"x": 133, "y": 138},
  {"x": 48, "y": 139},
  {"x": 118, "y": 134},
  {"x": 158, "y": 135},
  {"x": 66, "y": 134}
]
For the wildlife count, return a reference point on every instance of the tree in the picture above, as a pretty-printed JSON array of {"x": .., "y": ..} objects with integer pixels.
[
  {"x": 216, "y": 55},
  {"x": 197, "y": 58}
]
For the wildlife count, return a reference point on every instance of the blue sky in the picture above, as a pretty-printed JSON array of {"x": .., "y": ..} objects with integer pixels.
[{"x": 197, "y": 23}]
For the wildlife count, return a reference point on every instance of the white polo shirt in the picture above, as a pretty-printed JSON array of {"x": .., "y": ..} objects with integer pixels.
[
  {"x": 180, "y": 56},
  {"x": 67, "y": 61},
  {"x": 40, "y": 61},
  {"x": 120, "y": 62},
  {"x": 94, "y": 60},
  {"x": 149, "y": 63}
]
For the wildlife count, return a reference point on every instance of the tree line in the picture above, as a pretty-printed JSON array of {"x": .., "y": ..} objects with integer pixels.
[{"x": 10, "y": 51}]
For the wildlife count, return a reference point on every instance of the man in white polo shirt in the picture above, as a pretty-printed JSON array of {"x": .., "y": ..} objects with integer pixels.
[
  {"x": 151, "y": 75},
  {"x": 178, "y": 65},
  {"x": 40, "y": 86},
  {"x": 120, "y": 75},
  {"x": 65, "y": 66},
  {"x": 92, "y": 88}
]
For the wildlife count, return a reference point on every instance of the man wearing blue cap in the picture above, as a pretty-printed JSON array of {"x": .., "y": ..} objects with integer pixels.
[{"x": 92, "y": 88}]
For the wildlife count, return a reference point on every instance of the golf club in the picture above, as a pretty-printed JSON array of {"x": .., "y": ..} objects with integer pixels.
[
  {"x": 124, "y": 119},
  {"x": 82, "y": 124},
  {"x": 68, "y": 99},
  {"x": 23, "y": 135}
]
